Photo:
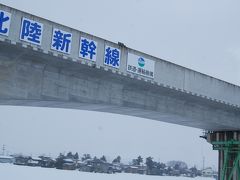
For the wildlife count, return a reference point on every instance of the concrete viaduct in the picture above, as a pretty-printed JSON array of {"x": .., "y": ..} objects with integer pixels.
[{"x": 39, "y": 74}]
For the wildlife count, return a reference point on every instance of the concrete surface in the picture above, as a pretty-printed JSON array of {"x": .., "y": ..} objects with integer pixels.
[{"x": 38, "y": 76}]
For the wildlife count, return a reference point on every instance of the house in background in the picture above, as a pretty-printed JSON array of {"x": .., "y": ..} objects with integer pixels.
[
  {"x": 208, "y": 172},
  {"x": 34, "y": 161},
  {"x": 47, "y": 162},
  {"x": 7, "y": 159},
  {"x": 21, "y": 160},
  {"x": 140, "y": 169},
  {"x": 117, "y": 167},
  {"x": 96, "y": 165},
  {"x": 85, "y": 166},
  {"x": 69, "y": 164}
]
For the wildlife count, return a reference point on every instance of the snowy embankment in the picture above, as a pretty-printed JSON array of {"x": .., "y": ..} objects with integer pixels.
[{"x": 14, "y": 172}]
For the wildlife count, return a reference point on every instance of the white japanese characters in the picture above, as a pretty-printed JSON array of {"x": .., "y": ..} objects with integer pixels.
[
  {"x": 31, "y": 31},
  {"x": 5, "y": 21}
]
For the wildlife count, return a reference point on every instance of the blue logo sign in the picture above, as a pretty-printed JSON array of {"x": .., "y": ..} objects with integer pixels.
[{"x": 141, "y": 62}]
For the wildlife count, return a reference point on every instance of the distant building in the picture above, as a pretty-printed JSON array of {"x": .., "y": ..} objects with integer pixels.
[
  {"x": 208, "y": 172},
  {"x": 34, "y": 161},
  {"x": 69, "y": 164},
  {"x": 96, "y": 165},
  {"x": 7, "y": 159},
  {"x": 117, "y": 167},
  {"x": 141, "y": 169},
  {"x": 21, "y": 160},
  {"x": 47, "y": 162}
]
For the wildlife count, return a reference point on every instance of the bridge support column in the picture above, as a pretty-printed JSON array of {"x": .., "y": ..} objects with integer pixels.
[{"x": 228, "y": 145}]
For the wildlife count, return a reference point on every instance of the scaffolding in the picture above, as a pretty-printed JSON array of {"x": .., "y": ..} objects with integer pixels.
[{"x": 231, "y": 153}]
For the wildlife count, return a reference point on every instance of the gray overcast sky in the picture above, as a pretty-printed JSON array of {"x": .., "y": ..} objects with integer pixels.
[{"x": 199, "y": 34}]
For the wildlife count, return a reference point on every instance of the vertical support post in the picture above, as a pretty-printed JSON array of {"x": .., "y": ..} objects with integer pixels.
[
  {"x": 224, "y": 169},
  {"x": 235, "y": 166},
  {"x": 228, "y": 145}
]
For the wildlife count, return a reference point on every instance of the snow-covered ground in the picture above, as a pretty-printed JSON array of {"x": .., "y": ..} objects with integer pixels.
[{"x": 14, "y": 172}]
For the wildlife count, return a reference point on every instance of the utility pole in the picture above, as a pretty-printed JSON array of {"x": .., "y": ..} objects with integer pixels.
[
  {"x": 3, "y": 150},
  {"x": 203, "y": 162}
]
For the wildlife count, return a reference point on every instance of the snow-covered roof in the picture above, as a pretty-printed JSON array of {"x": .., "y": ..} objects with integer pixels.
[
  {"x": 68, "y": 163},
  {"x": 33, "y": 162},
  {"x": 87, "y": 160},
  {"x": 68, "y": 160},
  {"x": 36, "y": 158},
  {"x": 133, "y": 167},
  {"x": 5, "y": 157}
]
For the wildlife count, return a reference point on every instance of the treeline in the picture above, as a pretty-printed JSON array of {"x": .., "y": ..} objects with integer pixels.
[
  {"x": 138, "y": 165},
  {"x": 87, "y": 163}
]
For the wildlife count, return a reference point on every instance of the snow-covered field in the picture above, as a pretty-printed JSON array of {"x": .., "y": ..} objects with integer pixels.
[{"x": 13, "y": 172}]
